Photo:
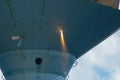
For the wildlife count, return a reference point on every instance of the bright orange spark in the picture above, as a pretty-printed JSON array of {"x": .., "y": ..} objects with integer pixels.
[
  {"x": 63, "y": 44},
  {"x": 64, "y": 49}
]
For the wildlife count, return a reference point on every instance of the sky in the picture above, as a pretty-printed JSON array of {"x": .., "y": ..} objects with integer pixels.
[{"x": 100, "y": 63}]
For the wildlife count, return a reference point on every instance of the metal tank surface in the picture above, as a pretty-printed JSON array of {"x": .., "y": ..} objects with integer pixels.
[{"x": 41, "y": 39}]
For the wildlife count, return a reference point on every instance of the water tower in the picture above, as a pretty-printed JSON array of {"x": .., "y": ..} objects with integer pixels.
[{"x": 41, "y": 39}]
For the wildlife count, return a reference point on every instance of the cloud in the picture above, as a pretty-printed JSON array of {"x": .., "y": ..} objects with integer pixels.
[
  {"x": 1, "y": 75},
  {"x": 100, "y": 63}
]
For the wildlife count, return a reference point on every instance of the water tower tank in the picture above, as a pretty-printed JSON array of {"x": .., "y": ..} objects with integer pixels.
[{"x": 41, "y": 39}]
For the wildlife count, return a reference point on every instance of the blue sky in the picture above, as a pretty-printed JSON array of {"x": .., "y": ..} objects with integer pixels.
[{"x": 100, "y": 63}]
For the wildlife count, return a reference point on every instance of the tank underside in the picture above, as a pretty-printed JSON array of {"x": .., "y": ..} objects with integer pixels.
[{"x": 32, "y": 45}]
